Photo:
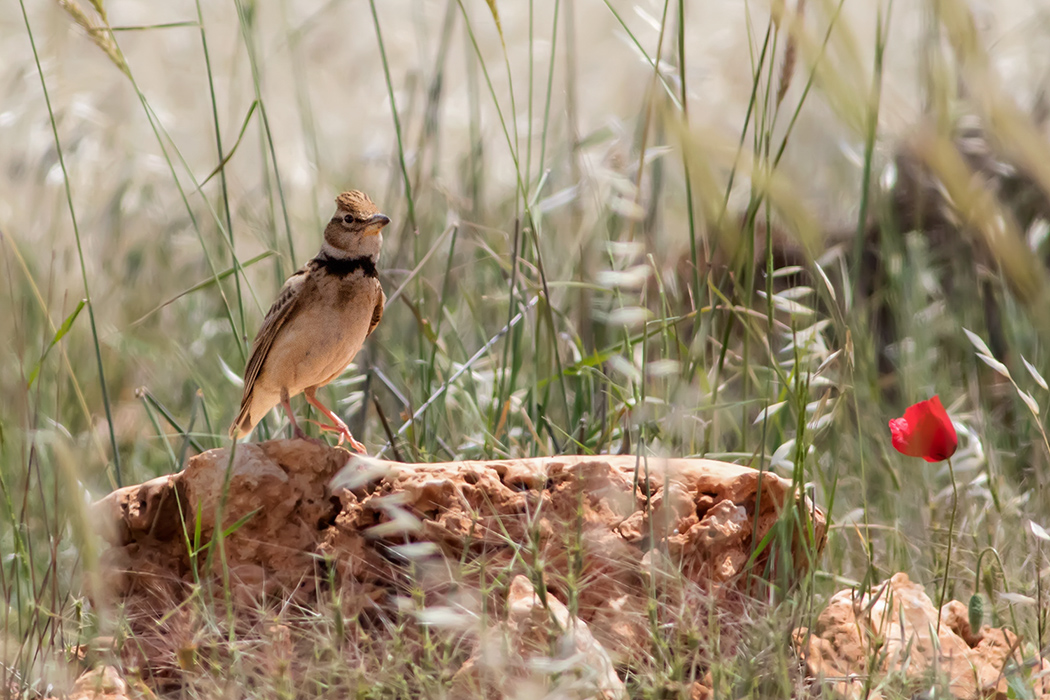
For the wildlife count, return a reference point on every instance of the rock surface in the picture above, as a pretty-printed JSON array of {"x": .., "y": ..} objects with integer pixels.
[
  {"x": 900, "y": 616},
  {"x": 102, "y": 683},
  {"x": 571, "y": 663},
  {"x": 388, "y": 535}
]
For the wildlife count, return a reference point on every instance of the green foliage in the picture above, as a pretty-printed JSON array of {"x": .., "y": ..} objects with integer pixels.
[{"x": 59, "y": 335}]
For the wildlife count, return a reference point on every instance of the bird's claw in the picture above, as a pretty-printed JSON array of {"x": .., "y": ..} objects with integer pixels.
[
  {"x": 358, "y": 446},
  {"x": 344, "y": 435}
]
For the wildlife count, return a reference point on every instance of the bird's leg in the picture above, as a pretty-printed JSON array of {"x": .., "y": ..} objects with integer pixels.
[
  {"x": 338, "y": 426},
  {"x": 286, "y": 402}
]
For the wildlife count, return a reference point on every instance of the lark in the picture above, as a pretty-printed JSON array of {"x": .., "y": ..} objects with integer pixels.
[{"x": 319, "y": 321}]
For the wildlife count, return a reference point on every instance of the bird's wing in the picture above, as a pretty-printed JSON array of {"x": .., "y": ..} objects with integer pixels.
[
  {"x": 377, "y": 312},
  {"x": 281, "y": 310}
]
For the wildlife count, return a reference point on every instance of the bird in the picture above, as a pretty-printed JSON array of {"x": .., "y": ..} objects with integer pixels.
[{"x": 320, "y": 320}]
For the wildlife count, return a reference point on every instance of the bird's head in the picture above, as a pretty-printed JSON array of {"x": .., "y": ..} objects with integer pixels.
[{"x": 356, "y": 227}]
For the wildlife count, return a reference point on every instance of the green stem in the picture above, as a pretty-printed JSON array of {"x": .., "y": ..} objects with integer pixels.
[
  {"x": 875, "y": 99},
  {"x": 80, "y": 251},
  {"x": 397, "y": 120},
  {"x": 948, "y": 558}
]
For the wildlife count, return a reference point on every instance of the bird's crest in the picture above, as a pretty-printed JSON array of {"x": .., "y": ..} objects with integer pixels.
[{"x": 356, "y": 203}]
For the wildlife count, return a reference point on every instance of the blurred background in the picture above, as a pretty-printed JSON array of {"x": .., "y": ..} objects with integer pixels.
[{"x": 751, "y": 231}]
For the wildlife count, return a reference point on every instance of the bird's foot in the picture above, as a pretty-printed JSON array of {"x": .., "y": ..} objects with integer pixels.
[
  {"x": 337, "y": 425},
  {"x": 300, "y": 435},
  {"x": 357, "y": 445},
  {"x": 297, "y": 432},
  {"x": 344, "y": 435}
]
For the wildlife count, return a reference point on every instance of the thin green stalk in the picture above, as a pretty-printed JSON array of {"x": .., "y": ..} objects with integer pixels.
[
  {"x": 1006, "y": 582},
  {"x": 688, "y": 181},
  {"x": 435, "y": 89},
  {"x": 460, "y": 372},
  {"x": 500, "y": 386},
  {"x": 477, "y": 146},
  {"x": 158, "y": 130},
  {"x": 668, "y": 88},
  {"x": 144, "y": 27},
  {"x": 397, "y": 120},
  {"x": 533, "y": 220},
  {"x": 241, "y": 339},
  {"x": 948, "y": 556},
  {"x": 215, "y": 273},
  {"x": 145, "y": 395},
  {"x": 305, "y": 107},
  {"x": 244, "y": 19},
  {"x": 881, "y": 27},
  {"x": 80, "y": 249},
  {"x": 648, "y": 115},
  {"x": 528, "y": 141},
  {"x": 809, "y": 83},
  {"x": 550, "y": 89},
  {"x": 756, "y": 73}
]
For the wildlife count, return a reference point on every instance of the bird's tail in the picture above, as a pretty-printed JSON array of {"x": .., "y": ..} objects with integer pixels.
[{"x": 243, "y": 424}]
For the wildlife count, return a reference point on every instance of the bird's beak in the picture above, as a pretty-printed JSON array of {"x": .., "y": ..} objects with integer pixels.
[{"x": 376, "y": 223}]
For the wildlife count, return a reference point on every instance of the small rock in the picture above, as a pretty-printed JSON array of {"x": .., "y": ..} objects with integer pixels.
[
  {"x": 102, "y": 683},
  {"x": 582, "y": 662},
  {"x": 957, "y": 617},
  {"x": 899, "y": 613},
  {"x": 580, "y": 668}
]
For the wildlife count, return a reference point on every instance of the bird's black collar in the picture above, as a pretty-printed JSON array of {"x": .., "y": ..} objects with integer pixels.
[{"x": 341, "y": 267}]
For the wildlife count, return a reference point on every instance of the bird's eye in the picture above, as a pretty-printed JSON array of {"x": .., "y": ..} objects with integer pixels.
[{"x": 348, "y": 219}]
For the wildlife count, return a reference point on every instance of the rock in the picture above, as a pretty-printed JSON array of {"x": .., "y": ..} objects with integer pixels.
[
  {"x": 957, "y": 617},
  {"x": 384, "y": 532},
  {"x": 699, "y": 691},
  {"x": 546, "y": 648},
  {"x": 582, "y": 664},
  {"x": 103, "y": 683},
  {"x": 902, "y": 617}
]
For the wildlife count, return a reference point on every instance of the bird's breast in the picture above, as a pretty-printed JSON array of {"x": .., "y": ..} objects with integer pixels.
[{"x": 328, "y": 330}]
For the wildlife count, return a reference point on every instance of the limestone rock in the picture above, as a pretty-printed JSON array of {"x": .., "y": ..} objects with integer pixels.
[
  {"x": 103, "y": 683},
  {"x": 901, "y": 615},
  {"x": 568, "y": 663},
  {"x": 382, "y": 532}
]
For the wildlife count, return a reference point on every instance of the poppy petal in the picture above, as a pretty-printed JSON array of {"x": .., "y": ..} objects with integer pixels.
[{"x": 925, "y": 431}]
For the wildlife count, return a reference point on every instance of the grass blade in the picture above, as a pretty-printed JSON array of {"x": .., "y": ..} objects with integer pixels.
[
  {"x": 59, "y": 335},
  {"x": 80, "y": 248}
]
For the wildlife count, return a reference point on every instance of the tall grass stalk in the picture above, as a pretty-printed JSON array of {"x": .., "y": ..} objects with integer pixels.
[{"x": 80, "y": 251}]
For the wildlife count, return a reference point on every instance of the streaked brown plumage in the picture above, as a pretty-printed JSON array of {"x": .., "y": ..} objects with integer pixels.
[{"x": 321, "y": 318}]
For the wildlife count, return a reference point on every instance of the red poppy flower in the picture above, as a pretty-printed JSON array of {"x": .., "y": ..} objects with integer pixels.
[{"x": 925, "y": 431}]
